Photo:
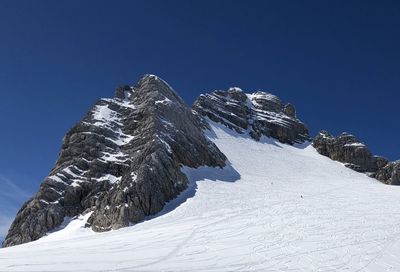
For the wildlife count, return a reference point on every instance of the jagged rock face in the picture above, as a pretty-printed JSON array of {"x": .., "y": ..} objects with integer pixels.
[
  {"x": 348, "y": 149},
  {"x": 120, "y": 163},
  {"x": 389, "y": 174},
  {"x": 258, "y": 114}
]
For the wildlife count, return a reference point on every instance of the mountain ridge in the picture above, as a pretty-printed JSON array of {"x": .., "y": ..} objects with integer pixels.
[{"x": 123, "y": 161}]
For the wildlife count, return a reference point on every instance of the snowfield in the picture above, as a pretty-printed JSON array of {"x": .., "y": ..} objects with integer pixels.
[{"x": 274, "y": 208}]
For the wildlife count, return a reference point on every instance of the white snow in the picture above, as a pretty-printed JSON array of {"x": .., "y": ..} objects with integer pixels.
[
  {"x": 56, "y": 178},
  {"x": 71, "y": 227},
  {"x": 262, "y": 96},
  {"x": 126, "y": 103},
  {"x": 69, "y": 171},
  {"x": 355, "y": 144},
  {"x": 77, "y": 183},
  {"x": 109, "y": 119},
  {"x": 236, "y": 89},
  {"x": 274, "y": 208},
  {"x": 167, "y": 146},
  {"x": 166, "y": 100},
  {"x": 117, "y": 157},
  {"x": 121, "y": 139},
  {"x": 104, "y": 115},
  {"x": 110, "y": 178}
]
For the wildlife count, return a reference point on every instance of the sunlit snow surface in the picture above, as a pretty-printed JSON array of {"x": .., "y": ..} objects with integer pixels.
[{"x": 275, "y": 208}]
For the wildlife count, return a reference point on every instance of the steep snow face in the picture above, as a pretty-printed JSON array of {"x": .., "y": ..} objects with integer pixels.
[{"x": 275, "y": 207}]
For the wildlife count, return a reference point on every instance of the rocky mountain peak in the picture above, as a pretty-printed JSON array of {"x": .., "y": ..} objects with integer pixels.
[
  {"x": 120, "y": 163},
  {"x": 153, "y": 88}
]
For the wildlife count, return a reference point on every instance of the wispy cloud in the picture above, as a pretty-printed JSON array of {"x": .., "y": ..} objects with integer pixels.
[
  {"x": 12, "y": 197},
  {"x": 5, "y": 222},
  {"x": 11, "y": 190}
]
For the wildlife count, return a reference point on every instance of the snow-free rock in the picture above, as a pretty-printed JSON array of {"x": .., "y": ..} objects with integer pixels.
[
  {"x": 389, "y": 174},
  {"x": 348, "y": 149}
]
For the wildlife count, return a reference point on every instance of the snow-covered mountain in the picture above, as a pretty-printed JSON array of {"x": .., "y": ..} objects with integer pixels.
[
  {"x": 121, "y": 163},
  {"x": 233, "y": 184}
]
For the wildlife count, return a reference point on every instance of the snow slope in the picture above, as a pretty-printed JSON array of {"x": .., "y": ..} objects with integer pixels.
[{"x": 275, "y": 208}]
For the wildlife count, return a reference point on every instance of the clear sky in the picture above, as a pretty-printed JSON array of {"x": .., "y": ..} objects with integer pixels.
[{"x": 338, "y": 62}]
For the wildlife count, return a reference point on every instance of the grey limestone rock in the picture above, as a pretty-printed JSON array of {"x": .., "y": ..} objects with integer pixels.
[
  {"x": 348, "y": 149},
  {"x": 258, "y": 114},
  {"x": 389, "y": 174},
  {"x": 120, "y": 163}
]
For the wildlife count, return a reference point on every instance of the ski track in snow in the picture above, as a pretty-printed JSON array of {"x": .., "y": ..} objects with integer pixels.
[{"x": 275, "y": 208}]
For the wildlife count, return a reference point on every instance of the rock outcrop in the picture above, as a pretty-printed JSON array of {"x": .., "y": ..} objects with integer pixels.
[
  {"x": 258, "y": 114},
  {"x": 348, "y": 149},
  {"x": 389, "y": 174},
  {"x": 120, "y": 163}
]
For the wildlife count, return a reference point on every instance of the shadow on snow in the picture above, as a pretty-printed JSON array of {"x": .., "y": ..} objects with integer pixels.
[
  {"x": 226, "y": 174},
  {"x": 245, "y": 135}
]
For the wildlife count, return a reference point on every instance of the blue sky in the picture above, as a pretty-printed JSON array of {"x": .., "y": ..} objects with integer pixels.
[{"x": 338, "y": 62}]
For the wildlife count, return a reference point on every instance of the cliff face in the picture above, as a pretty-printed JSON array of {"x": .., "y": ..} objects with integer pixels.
[
  {"x": 389, "y": 174},
  {"x": 348, "y": 149},
  {"x": 257, "y": 114},
  {"x": 120, "y": 163}
]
